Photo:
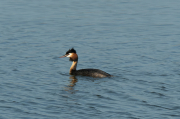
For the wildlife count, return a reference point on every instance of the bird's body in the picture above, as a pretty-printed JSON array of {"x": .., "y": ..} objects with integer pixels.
[
  {"x": 84, "y": 72},
  {"x": 91, "y": 72}
]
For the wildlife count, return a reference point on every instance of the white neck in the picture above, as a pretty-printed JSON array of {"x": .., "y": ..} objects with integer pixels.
[{"x": 73, "y": 67}]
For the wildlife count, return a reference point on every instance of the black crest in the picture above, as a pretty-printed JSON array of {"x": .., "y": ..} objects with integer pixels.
[{"x": 71, "y": 51}]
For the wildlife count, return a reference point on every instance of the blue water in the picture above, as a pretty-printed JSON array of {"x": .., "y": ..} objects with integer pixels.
[{"x": 137, "y": 41}]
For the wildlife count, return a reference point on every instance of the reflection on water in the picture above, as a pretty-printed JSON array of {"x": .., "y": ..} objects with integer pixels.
[
  {"x": 73, "y": 81},
  {"x": 70, "y": 87}
]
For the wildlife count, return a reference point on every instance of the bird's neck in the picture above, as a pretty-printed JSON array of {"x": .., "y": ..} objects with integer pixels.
[{"x": 73, "y": 67}]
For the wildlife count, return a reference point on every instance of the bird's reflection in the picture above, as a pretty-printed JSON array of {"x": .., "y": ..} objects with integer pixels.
[
  {"x": 70, "y": 87},
  {"x": 73, "y": 81}
]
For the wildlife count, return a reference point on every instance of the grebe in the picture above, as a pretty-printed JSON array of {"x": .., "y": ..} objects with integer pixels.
[{"x": 71, "y": 53}]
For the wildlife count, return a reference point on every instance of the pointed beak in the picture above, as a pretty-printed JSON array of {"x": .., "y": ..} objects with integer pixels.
[{"x": 62, "y": 56}]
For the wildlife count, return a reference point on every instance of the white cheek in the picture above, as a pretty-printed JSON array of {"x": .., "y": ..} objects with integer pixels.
[{"x": 69, "y": 55}]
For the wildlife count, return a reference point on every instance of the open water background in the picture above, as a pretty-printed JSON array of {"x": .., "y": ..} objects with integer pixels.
[{"x": 137, "y": 41}]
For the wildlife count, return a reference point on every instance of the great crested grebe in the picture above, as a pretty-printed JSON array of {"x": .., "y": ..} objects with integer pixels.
[{"x": 71, "y": 53}]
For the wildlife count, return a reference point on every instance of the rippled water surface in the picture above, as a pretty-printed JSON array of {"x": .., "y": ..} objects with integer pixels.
[{"x": 136, "y": 41}]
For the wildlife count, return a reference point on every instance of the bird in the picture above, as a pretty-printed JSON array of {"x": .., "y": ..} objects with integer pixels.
[{"x": 96, "y": 73}]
